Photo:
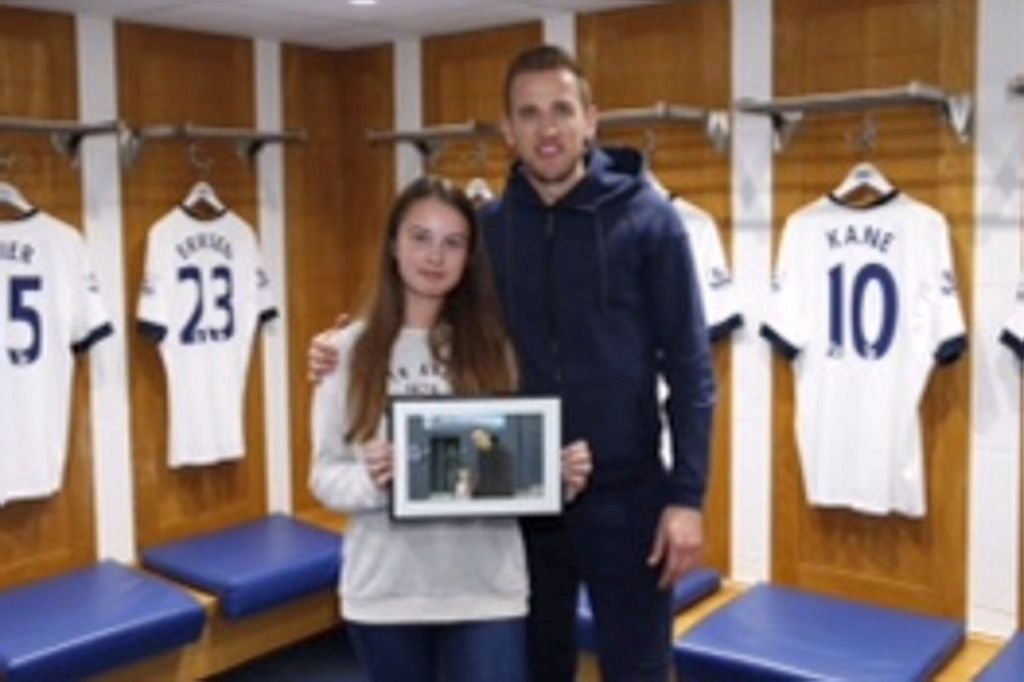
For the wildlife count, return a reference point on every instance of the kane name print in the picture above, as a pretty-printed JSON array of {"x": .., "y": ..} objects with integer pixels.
[{"x": 860, "y": 235}]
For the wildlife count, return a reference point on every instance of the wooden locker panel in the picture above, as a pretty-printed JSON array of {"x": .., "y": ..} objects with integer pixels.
[
  {"x": 173, "y": 77},
  {"x": 463, "y": 80},
  {"x": 339, "y": 190},
  {"x": 680, "y": 54},
  {"x": 38, "y": 79},
  {"x": 826, "y": 47}
]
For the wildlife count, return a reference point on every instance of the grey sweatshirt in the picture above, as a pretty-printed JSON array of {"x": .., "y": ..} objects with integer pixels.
[{"x": 413, "y": 571}]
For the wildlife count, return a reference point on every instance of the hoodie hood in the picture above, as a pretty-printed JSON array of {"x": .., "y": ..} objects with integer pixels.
[
  {"x": 611, "y": 173},
  {"x": 613, "y": 176}
]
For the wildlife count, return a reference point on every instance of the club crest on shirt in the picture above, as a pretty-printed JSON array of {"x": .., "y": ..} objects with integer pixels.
[
  {"x": 147, "y": 286},
  {"x": 948, "y": 283},
  {"x": 718, "y": 278}
]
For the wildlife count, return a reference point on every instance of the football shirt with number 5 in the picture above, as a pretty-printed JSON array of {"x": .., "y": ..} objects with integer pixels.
[{"x": 50, "y": 307}]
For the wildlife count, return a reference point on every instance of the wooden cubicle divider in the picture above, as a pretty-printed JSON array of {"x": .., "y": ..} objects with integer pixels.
[
  {"x": 38, "y": 79},
  {"x": 830, "y": 47},
  {"x": 339, "y": 188},
  {"x": 680, "y": 54},
  {"x": 172, "y": 77}
]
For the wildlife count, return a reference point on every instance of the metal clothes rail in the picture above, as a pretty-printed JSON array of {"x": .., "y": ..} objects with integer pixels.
[
  {"x": 66, "y": 136},
  {"x": 787, "y": 113}
]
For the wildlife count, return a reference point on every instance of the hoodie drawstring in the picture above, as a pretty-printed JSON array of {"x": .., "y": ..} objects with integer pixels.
[
  {"x": 510, "y": 291},
  {"x": 602, "y": 258}
]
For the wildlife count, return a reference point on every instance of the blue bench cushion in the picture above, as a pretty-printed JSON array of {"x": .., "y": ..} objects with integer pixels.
[
  {"x": 1008, "y": 666},
  {"x": 695, "y": 586},
  {"x": 774, "y": 633},
  {"x": 253, "y": 567},
  {"x": 90, "y": 621}
]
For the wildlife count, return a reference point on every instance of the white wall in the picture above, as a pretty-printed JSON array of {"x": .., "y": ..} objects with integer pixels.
[
  {"x": 102, "y": 222},
  {"x": 408, "y": 107},
  {"x": 751, "y": 387},
  {"x": 270, "y": 191}
]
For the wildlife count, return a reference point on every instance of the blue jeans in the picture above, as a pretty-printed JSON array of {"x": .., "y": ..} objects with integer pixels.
[{"x": 492, "y": 650}]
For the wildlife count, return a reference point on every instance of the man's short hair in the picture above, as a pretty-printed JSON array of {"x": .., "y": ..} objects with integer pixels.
[{"x": 545, "y": 58}]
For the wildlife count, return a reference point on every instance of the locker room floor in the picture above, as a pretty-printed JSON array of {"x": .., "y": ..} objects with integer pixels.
[{"x": 326, "y": 657}]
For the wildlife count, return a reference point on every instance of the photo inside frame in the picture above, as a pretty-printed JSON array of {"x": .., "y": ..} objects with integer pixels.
[{"x": 479, "y": 456}]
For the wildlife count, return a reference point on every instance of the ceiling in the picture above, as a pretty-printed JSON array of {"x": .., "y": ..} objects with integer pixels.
[{"x": 331, "y": 24}]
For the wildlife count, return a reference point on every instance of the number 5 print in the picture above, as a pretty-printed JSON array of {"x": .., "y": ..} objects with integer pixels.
[{"x": 20, "y": 311}]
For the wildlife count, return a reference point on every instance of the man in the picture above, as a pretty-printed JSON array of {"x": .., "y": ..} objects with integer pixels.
[
  {"x": 494, "y": 466},
  {"x": 599, "y": 294}
]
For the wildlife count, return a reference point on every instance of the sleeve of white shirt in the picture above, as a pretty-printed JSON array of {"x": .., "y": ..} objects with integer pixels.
[
  {"x": 720, "y": 305},
  {"x": 90, "y": 321},
  {"x": 152, "y": 312},
  {"x": 949, "y": 333},
  {"x": 1012, "y": 335},
  {"x": 721, "y": 311},
  {"x": 265, "y": 301},
  {"x": 339, "y": 478},
  {"x": 785, "y": 325}
]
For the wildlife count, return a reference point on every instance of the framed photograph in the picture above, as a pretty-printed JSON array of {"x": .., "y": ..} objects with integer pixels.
[{"x": 476, "y": 456}]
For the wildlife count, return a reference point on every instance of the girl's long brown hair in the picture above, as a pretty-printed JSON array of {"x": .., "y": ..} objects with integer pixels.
[{"x": 469, "y": 338}]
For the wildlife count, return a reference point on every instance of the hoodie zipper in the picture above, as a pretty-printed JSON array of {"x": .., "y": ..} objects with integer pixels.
[{"x": 549, "y": 298}]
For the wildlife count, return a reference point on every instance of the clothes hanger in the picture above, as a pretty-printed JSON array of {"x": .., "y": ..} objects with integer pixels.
[
  {"x": 11, "y": 196},
  {"x": 865, "y": 184},
  {"x": 202, "y": 200},
  {"x": 863, "y": 176},
  {"x": 478, "y": 191}
]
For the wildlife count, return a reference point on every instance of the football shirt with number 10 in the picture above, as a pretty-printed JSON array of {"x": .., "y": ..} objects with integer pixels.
[
  {"x": 204, "y": 294},
  {"x": 864, "y": 301}
]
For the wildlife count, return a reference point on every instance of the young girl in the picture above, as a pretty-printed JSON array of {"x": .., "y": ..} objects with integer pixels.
[{"x": 436, "y": 600}]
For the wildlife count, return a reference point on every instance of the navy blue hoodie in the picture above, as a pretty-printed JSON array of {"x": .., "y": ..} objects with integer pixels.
[{"x": 599, "y": 294}]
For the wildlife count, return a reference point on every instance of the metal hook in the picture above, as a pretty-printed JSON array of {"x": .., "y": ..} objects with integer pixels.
[
  {"x": 7, "y": 162},
  {"x": 480, "y": 156},
  {"x": 650, "y": 145},
  {"x": 867, "y": 136},
  {"x": 201, "y": 165}
]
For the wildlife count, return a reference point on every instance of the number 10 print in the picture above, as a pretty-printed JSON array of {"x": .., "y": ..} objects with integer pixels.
[{"x": 838, "y": 306}]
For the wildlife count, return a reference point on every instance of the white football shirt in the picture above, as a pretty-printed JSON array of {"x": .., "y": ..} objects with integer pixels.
[
  {"x": 50, "y": 307},
  {"x": 721, "y": 310},
  {"x": 204, "y": 293},
  {"x": 864, "y": 301}
]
